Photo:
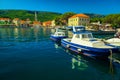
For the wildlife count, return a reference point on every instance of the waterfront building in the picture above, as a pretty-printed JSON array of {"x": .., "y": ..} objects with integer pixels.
[
  {"x": 36, "y": 23},
  {"x": 47, "y": 23},
  {"x": 22, "y": 22},
  {"x": 16, "y": 21},
  {"x": 78, "y": 20},
  {"x": 4, "y": 20},
  {"x": 28, "y": 21},
  {"x": 53, "y": 23}
]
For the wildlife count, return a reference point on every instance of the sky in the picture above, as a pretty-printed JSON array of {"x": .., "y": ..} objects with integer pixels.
[{"x": 62, "y": 6}]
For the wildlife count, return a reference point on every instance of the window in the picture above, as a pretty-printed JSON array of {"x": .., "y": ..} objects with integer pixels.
[
  {"x": 90, "y": 36},
  {"x": 77, "y": 36},
  {"x": 60, "y": 34},
  {"x": 87, "y": 36},
  {"x": 84, "y": 36}
]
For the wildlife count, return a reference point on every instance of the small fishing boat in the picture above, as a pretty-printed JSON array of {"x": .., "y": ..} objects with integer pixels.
[
  {"x": 58, "y": 35},
  {"x": 84, "y": 43},
  {"x": 115, "y": 42}
]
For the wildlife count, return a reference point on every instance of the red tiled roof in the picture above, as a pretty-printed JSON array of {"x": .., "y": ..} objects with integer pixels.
[
  {"x": 47, "y": 22},
  {"x": 80, "y": 15},
  {"x": 36, "y": 22},
  {"x": 22, "y": 21},
  {"x": 4, "y": 19},
  {"x": 16, "y": 19}
]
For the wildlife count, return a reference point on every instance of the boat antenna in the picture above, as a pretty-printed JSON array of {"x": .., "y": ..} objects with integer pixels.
[{"x": 74, "y": 30}]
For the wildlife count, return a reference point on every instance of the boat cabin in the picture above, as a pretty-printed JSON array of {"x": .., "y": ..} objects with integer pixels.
[
  {"x": 79, "y": 33},
  {"x": 59, "y": 34},
  {"x": 81, "y": 36},
  {"x": 78, "y": 28}
]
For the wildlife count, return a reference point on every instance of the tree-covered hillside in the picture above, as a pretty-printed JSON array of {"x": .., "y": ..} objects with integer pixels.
[
  {"x": 24, "y": 14},
  {"x": 95, "y": 17}
]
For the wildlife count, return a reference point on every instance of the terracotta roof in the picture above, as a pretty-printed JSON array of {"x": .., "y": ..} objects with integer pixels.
[
  {"x": 80, "y": 15},
  {"x": 36, "y": 22},
  {"x": 22, "y": 21},
  {"x": 47, "y": 22},
  {"x": 4, "y": 19},
  {"x": 16, "y": 19}
]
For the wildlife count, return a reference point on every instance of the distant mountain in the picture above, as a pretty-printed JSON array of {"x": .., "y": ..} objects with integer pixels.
[
  {"x": 42, "y": 15},
  {"x": 92, "y": 15},
  {"x": 24, "y": 14}
]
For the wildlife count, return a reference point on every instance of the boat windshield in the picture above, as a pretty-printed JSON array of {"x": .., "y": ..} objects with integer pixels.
[
  {"x": 78, "y": 28},
  {"x": 87, "y": 36},
  {"x": 61, "y": 34}
]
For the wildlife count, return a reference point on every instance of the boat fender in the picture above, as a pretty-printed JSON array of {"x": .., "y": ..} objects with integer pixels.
[
  {"x": 79, "y": 49},
  {"x": 67, "y": 45}
]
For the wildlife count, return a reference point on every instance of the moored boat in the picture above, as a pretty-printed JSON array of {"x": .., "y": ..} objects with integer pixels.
[
  {"x": 84, "y": 43},
  {"x": 58, "y": 35},
  {"x": 115, "y": 42}
]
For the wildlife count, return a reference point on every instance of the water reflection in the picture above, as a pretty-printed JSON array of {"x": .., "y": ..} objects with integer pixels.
[
  {"x": 36, "y": 33},
  {"x": 78, "y": 63},
  {"x": 16, "y": 33},
  {"x": 56, "y": 45},
  {"x": 25, "y": 50},
  {"x": 81, "y": 62},
  {"x": 24, "y": 34}
]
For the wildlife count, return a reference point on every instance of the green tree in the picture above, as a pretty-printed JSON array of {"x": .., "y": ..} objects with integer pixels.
[
  {"x": 58, "y": 21},
  {"x": 65, "y": 17},
  {"x": 113, "y": 19}
]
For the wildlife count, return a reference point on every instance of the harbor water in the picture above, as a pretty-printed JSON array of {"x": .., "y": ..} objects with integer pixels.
[{"x": 29, "y": 54}]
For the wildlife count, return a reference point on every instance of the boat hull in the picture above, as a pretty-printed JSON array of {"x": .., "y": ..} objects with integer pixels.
[
  {"x": 57, "y": 38},
  {"x": 117, "y": 47},
  {"x": 87, "y": 51},
  {"x": 114, "y": 42}
]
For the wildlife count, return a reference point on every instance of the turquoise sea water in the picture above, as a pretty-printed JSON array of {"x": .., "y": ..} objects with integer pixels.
[{"x": 29, "y": 54}]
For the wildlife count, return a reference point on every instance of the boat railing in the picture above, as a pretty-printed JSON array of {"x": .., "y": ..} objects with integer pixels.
[{"x": 78, "y": 28}]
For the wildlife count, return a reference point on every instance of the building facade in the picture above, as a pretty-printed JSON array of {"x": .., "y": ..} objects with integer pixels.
[
  {"x": 79, "y": 19},
  {"x": 4, "y": 20},
  {"x": 53, "y": 23},
  {"x": 47, "y": 23},
  {"x": 16, "y": 21}
]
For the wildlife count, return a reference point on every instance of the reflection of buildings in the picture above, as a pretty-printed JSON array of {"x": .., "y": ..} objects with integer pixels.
[
  {"x": 16, "y": 33},
  {"x": 78, "y": 64},
  {"x": 46, "y": 31},
  {"x": 36, "y": 33}
]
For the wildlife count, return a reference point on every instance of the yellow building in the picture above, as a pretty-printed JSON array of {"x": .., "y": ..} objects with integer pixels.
[
  {"x": 53, "y": 23},
  {"x": 47, "y": 23},
  {"x": 16, "y": 21},
  {"x": 79, "y": 19}
]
